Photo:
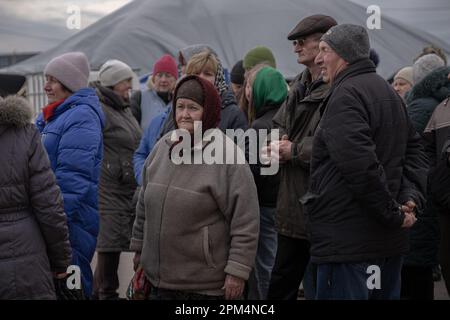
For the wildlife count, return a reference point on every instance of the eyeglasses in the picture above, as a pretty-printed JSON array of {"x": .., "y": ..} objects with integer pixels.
[{"x": 302, "y": 41}]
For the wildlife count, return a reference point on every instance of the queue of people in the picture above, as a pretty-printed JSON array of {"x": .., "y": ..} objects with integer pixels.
[{"x": 363, "y": 179}]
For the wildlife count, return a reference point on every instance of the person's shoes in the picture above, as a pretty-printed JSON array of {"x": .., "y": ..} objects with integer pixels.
[{"x": 437, "y": 275}]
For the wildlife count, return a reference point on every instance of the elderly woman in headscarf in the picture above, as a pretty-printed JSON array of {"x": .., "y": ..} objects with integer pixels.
[
  {"x": 201, "y": 60},
  {"x": 196, "y": 227}
]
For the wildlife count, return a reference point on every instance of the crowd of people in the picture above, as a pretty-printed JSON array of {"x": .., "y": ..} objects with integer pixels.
[{"x": 363, "y": 180}]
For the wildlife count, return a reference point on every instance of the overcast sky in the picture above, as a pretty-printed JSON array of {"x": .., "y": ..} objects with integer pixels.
[{"x": 37, "y": 25}]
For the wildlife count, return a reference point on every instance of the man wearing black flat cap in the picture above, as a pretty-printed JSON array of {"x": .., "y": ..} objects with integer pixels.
[{"x": 297, "y": 120}]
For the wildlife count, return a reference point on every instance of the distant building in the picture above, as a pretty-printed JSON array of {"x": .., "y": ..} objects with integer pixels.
[{"x": 8, "y": 59}]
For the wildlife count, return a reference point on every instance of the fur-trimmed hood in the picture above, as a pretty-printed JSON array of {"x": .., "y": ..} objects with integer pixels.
[
  {"x": 435, "y": 85},
  {"x": 15, "y": 111}
]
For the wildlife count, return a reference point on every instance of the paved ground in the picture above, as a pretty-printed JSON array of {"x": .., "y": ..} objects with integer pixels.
[{"x": 126, "y": 272}]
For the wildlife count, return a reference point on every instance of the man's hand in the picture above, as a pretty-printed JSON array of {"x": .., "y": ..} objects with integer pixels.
[
  {"x": 234, "y": 287},
  {"x": 409, "y": 220},
  {"x": 409, "y": 208},
  {"x": 285, "y": 148}
]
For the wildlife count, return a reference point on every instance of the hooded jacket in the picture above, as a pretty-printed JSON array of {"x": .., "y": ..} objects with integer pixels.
[
  {"x": 426, "y": 95},
  {"x": 34, "y": 238},
  {"x": 74, "y": 143},
  {"x": 422, "y": 101}
]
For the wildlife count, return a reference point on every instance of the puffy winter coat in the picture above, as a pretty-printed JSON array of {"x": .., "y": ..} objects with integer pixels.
[
  {"x": 74, "y": 143},
  {"x": 34, "y": 239}
]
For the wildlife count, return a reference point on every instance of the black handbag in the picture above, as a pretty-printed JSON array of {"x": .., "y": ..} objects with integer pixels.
[{"x": 64, "y": 293}]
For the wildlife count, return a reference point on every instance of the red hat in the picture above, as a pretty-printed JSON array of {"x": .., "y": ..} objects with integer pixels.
[{"x": 167, "y": 64}]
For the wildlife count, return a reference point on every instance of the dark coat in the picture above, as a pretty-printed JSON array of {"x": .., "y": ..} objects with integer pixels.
[
  {"x": 422, "y": 100},
  {"x": 367, "y": 159},
  {"x": 426, "y": 95},
  {"x": 121, "y": 136},
  {"x": 437, "y": 137},
  {"x": 297, "y": 118},
  {"x": 267, "y": 185},
  {"x": 34, "y": 239}
]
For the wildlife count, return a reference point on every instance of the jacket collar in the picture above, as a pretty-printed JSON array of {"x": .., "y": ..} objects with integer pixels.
[{"x": 359, "y": 67}]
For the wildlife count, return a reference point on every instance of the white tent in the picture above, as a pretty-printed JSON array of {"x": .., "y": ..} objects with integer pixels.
[{"x": 143, "y": 30}]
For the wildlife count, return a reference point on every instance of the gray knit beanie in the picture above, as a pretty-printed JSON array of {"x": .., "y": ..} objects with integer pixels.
[
  {"x": 71, "y": 69},
  {"x": 425, "y": 64},
  {"x": 114, "y": 71},
  {"x": 349, "y": 41}
]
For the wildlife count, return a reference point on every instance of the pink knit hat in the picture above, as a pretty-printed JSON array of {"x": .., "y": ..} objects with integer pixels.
[
  {"x": 167, "y": 64},
  {"x": 71, "y": 69}
]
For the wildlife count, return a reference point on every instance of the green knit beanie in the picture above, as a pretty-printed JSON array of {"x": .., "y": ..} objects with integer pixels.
[
  {"x": 258, "y": 55},
  {"x": 269, "y": 88}
]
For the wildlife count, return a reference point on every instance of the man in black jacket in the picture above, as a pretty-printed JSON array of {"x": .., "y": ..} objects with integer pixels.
[
  {"x": 368, "y": 175},
  {"x": 296, "y": 121}
]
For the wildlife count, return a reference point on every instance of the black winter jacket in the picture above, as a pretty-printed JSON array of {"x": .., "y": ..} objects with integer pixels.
[{"x": 367, "y": 159}]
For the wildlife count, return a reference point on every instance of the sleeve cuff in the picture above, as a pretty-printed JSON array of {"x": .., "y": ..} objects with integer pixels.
[
  {"x": 237, "y": 269},
  {"x": 136, "y": 245}
]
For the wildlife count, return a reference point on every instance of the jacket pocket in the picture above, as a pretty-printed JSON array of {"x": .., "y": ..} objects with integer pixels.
[{"x": 207, "y": 248}]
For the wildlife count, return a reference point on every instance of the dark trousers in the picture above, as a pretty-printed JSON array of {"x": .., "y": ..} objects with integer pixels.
[
  {"x": 444, "y": 250},
  {"x": 106, "y": 281},
  {"x": 359, "y": 281},
  {"x": 417, "y": 283},
  {"x": 290, "y": 264}
]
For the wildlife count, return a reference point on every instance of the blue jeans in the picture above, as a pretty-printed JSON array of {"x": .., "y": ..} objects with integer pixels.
[
  {"x": 265, "y": 256},
  {"x": 360, "y": 281}
]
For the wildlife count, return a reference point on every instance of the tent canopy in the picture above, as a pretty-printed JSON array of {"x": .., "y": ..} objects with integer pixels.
[{"x": 143, "y": 30}]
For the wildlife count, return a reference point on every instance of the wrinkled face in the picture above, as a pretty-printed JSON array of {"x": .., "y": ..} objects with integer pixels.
[
  {"x": 122, "y": 89},
  {"x": 186, "y": 112},
  {"x": 329, "y": 62},
  {"x": 401, "y": 86},
  {"x": 55, "y": 90},
  {"x": 208, "y": 75},
  {"x": 236, "y": 88},
  {"x": 164, "y": 82},
  {"x": 307, "y": 48}
]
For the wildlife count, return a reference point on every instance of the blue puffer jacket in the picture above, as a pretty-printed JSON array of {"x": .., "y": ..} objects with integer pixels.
[
  {"x": 148, "y": 141},
  {"x": 74, "y": 143}
]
